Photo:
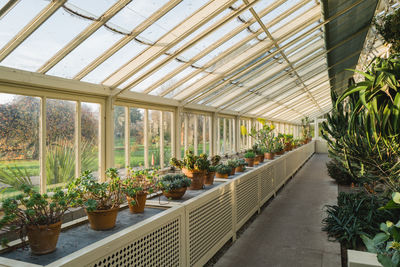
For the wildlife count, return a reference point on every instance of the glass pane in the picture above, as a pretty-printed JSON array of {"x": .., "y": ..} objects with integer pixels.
[
  {"x": 119, "y": 137},
  {"x": 191, "y": 132},
  {"x": 154, "y": 136},
  {"x": 46, "y": 41},
  {"x": 60, "y": 141},
  {"x": 18, "y": 17},
  {"x": 19, "y": 142},
  {"x": 167, "y": 124},
  {"x": 90, "y": 114},
  {"x": 200, "y": 120},
  {"x": 94, "y": 7},
  {"x": 136, "y": 137}
]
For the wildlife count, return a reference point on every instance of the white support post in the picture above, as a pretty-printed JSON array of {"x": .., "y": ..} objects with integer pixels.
[
  {"x": 176, "y": 133},
  {"x": 78, "y": 134},
  {"x": 230, "y": 125},
  {"x": 127, "y": 143},
  {"x": 162, "y": 139},
  {"x": 248, "y": 144},
  {"x": 146, "y": 138},
  {"x": 211, "y": 139},
  {"x": 204, "y": 133},
  {"x": 195, "y": 134},
  {"x": 224, "y": 135},
  {"x": 186, "y": 131},
  {"x": 42, "y": 145},
  {"x": 218, "y": 141}
]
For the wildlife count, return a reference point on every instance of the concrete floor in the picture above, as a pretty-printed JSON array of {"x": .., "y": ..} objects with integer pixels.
[{"x": 288, "y": 231}]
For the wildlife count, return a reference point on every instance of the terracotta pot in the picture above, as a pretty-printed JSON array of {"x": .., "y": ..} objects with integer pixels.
[
  {"x": 209, "y": 178},
  {"x": 261, "y": 158},
  {"x": 43, "y": 238},
  {"x": 250, "y": 162},
  {"x": 280, "y": 152},
  {"x": 256, "y": 160},
  {"x": 197, "y": 177},
  {"x": 140, "y": 200},
  {"x": 239, "y": 168},
  {"x": 220, "y": 175},
  {"x": 102, "y": 219},
  {"x": 175, "y": 193},
  {"x": 269, "y": 156},
  {"x": 232, "y": 171}
]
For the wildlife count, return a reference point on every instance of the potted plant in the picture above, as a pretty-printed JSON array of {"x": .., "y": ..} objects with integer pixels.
[
  {"x": 278, "y": 147},
  {"x": 249, "y": 158},
  {"x": 269, "y": 151},
  {"x": 223, "y": 171},
  {"x": 210, "y": 174},
  {"x": 233, "y": 163},
  {"x": 241, "y": 165},
  {"x": 136, "y": 186},
  {"x": 288, "y": 141},
  {"x": 194, "y": 167},
  {"x": 37, "y": 216},
  {"x": 174, "y": 185},
  {"x": 100, "y": 200}
]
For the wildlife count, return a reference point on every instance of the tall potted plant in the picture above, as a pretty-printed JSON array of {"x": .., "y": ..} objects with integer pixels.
[
  {"x": 136, "y": 186},
  {"x": 100, "y": 200},
  {"x": 38, "y": 216}
]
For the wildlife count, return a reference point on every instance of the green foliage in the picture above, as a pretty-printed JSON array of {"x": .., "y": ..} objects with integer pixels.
[
  {"x": 249, "y": 155},
  {"x": 338, "y": 172},
  {"x": 174, "y": 181},
  {"x": 32, "y": 208},
  {"x": 215, "y": 160},
  {"x": 224, "y": 169},
  {"x": 94, "y": 195},
  {"x": 191, "y": 161},
  {"x": 233, "y": 163},
  {"x": 15, "y": 176},
  {"x": 242, "y": 162},
  {"x": 305, "y": 128},
  {"x": 264, "y": 138},
  {"x": 389, "y": 28},
  {"x": 212, "y": 168},
  {"x": 354, "y": 214},
  {"x": 140, "y": 182}
]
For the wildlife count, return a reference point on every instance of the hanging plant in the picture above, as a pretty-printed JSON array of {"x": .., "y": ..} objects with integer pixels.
[{"x": 389, "y": 28}]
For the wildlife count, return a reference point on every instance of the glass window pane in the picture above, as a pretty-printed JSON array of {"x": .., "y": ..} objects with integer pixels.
[
  {"x": 167, "y": 124},
  {"x": 94, "y": 7},
  {"x": 90, "y": 114},
  {"x": 136, "y": 137},
  {"x": 60, "y": 141},
  {"x": 119, "y": 137},
  {"x": 19, "y": 142},
  {"x": 154, "y": 136}
]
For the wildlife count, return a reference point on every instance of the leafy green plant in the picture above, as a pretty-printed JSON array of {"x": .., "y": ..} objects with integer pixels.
[
  {"x": 249, "y": 155},
  {"x": 354, "y": 214},
  {"x": 389, "y": 28},
  {"x": 242, "y": 162},
  {"x": 215, "y": 160},
  {"x": 212, "y": 168},
  {"x": 191, "y": 161},
  {"x": 174, "y": 181},
  {"x": 233, "y": 163},
  {"x": 15, "y": 176},
  {"x": 338, "y": 172},
  {"x": 224, "y": 169},
  {"x": 32, "y": 208},
  {"x": 94, "y": 195}
]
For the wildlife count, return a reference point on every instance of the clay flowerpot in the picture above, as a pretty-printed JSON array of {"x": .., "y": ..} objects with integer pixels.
[
  {"x": 140, "y": 203},
  {"x": 43, "y": 238},
  {"x": 280, "y": 152},
  {"x": 261, "y": 158},
  {"x": 197, "y": 177},
  {"x": 269, "y": 156},
  {"x": 175, "y": 193},
  {"x": 102, "y": 219},
  {"x": 250, "y": 162},
  {"x": 209, "y": 178},
  {"x": 232, "y": 171},
  {"x": 221, "y": 175},
  {"x": 239, "y": 168}
]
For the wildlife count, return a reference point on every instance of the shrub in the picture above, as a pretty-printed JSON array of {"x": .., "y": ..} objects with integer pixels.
[
  {"x": 249, "y": 155},
  {"x": 339, "y": 173},
  {"x": 174, "y": 181},
  {"x": 355, "y": 214}
]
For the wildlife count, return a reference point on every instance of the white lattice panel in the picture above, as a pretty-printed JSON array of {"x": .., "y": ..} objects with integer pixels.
[
  {"x": 280, "y": 173},
  {"x": 209, "y": 223},
  {"x": 246, "y": 198},
  {"x": 267, "y": 183}
]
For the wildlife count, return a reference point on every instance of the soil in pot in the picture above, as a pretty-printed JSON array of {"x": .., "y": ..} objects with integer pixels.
[
  {"x": 175, "y": 193},
  {"x": 102, "y": 219},
  {"x": 269, "y": 156},
  {"x": 43, "y": 238},
  {"x": 140, "y": 203},
  {"x": 197, "y": 177},
  {"x": 221, "y": 175},
  {"x": 209, "y": 178},
  {"x": 250, "y": 162},
  {"x": 239, "y": 169}
]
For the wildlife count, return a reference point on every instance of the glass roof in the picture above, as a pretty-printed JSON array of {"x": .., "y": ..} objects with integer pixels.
[{"x": 212, "y": 53}]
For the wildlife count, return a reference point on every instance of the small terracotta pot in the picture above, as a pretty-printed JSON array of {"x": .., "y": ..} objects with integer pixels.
[
  {"x": 220, "y": 175},
  {"x": 140, "y": 200},
  {"x": 256, "y": 160},
  {"x": 197, "y": 177},
  {"x": 209, "y": 178},
  {"x": 280, "y": 152},
  {"x": 261, "y": 158},
  {"x": 102, "y": 219},
  {"x": 43, "y": 238},
  {"x": 232, "y": 171},
  {"x": 239, "y": 168},
  {"x": 250, "y": 162},
  {"x": 175, "y": 193},
  {"x": 269, "y": 156}
]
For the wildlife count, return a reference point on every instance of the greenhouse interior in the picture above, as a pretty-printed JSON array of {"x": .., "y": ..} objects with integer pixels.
[{"x": 200, "y": 133}]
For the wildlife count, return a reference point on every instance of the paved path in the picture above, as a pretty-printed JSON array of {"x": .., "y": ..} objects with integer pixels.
[{"x": 288, "y": 231}]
